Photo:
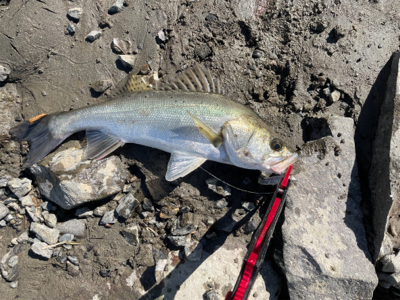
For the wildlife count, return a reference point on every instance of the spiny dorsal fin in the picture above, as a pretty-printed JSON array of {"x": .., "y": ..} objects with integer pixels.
[
  {"x": 132, "y": 83},
  {"x": 196, "y": 79}
]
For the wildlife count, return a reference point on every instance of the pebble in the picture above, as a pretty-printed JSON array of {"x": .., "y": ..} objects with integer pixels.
[
  {"x": 74, "y": 226},
  {"x": 131, "y": 234},
  {"x": 101, "y": 86},
  {"x": 20, "y": 187},
  {"x": 50, "y": 219},
  {"x": 23, "y": 237},
  {"x": 145, "y": 256},
  {"x": 14, "y": 241},
  {"x": 226, "y": 224},
  {"x": 27, "y": 201},
  {"x": 117, "y": 7},
  {"x": 48, "y": 206},
  {"x": 167, "y": 212},
  {"x": 93, "y": 35},
  {"x": 84, "y": 212},
  {"x": 71, "y": 28},
  {"x": 13, "y": 261},
  {"x": 121, "y": 46},
  {"x": 221, "y": 203},
  {"x": 14, "y": 284},
  {"x": 202, "y": 51},
  {"x": 73, "y": 259},
  {"x": 147, "y": 205},
  {"x": 184, "y": 224},
  {"x": 179, "y": 241},
  {"x": 334, "y": 96},
  {"x": 66, "y": 237},
  {"x": 44, "y": 233},
  {"x": 9, "y": 218},
  {"x": 127, "y": 60},
  {"x": 211, "y": 295},
  {"x": 33, "y": 213},
  {"x": 99, "y": 211},
  {"x": 224, "y": 191},
  {"x": 252, "y": 225},
  {"x": 37, "y": 248},
  {"x": 62, "y": 259},
  {"x": 72, "y": 269},
  {"x": 257, "y": 53},
  {"x": 75, "y": 13},
  {"x": 3, "y": 223},
  {"x": 3, "y": 211},
  {"x": 249, "y": 206},
  {"x": 4, "y": 179},
  {"x": 391, "y": 263},
  {"x": 4, "y": 72},
  {"x": 109, "y": 217},
  {"x": 193, "y": 251},
  {"x": 126, "y": 207}
]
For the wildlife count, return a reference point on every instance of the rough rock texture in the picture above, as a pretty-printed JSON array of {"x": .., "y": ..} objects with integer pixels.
[
  {"x": 74, "y": 226},
  {"x": 384, "y": 174},
  {"x": 325, "y": 247},
  {"x": 68, "y": 181},
  {"x": 44, "y": 233}
]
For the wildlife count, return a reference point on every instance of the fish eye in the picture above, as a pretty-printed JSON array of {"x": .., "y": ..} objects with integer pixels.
[{"x": 276, "y": 144}]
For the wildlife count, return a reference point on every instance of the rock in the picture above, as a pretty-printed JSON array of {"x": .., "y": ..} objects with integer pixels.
[
  {"x": 14, "y": 241},
  {"x": 109, "y": 217},
  {"x": 71, "y": 28},
  {"x": 101, "y": 86},
  {"x": 3, "y": 211},
  {"x": 73, "y": 259},
  {"x": 145, "y": 256},
  {"x": 127, "y": 205},
  {"x": 227, "y": 223},
  {"x": 66, "y": 180},
  {"x": 20, "y": 187},
  {"x": 179, "y": 241},
  {"x": 385, "y": 164},
  {"x": 3, "y": 223},
  {"x": 127, "y": 60},
  {"x": 72, "y": 269},
  {"x": 222, "y": 190},
  {"x": 185, "y": 190},
  {"x": 121, "y": 46},
  {"x": 4, "y": 72},
  {"x": 66, "y": 237},
  {"x": 131, "y": 234},
  {"x": 84, "y": 212},
  {"x": 117, "y": 7},
  {"x": 13, "y": 273},
  {"x": 389, "y": 280},
  {"x": 75, "y": 13},
  {"x": 329, "y": 240},
  {"x": 253, "y": 224},
  {"x": 48, "y": 206},
  {"x": 8, "y": 218},
  {"x": 50, "y": 219},
  {"x": 339, "y": 32},
  {"x": 23, "y": 237},
  {"x": 211, "y": 295},
  {"x": 37, "y": 248},
  {"x": 184, "y": 224},
  {"x": 147, "y": 205},
  {"x": 221, "y": 203},
  {"x": 167, "y": 212},
  {"x": 14, "y": 284},
  {"x": 44, "y": 233},
  {"x": 99, "y": 211},
  {"x": 159, "y": 271},
  {"x": 202, "y": 51},
  {"x": 257, "y": 53},
  {"x": 9, "y": 111},
  {"x": 4, "y": 180},
  {"x": 34, "y": 213},
  {"x": 249, "y": 206},
  {"x": 93, "y": 35},
  {"x": 391, "y": 263},
  {"x": 74, "y": 226},
  {"x": 193, "y": 251},
  {"x": 13, "y": 261},
  {"x": 27, "y": 200},
  {"x": 334, "y": 96}
]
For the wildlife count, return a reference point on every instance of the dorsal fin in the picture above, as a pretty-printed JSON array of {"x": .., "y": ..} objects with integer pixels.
[
  {"x": 196, "y": 79},
  {"x": 134, "y": 83}
]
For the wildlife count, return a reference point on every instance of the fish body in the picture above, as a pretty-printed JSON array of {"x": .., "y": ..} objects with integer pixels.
[{"x": 192, "y": 124}]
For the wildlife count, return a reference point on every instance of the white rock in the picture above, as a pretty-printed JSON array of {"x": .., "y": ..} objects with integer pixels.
[
  {"x": 84, "y": 212},
  {"x": 50, "y": 219},
  {"x": 75, "y": 13},
  {"x": 117, "y": 7},
  {"x": 38, "y": 249},
  {"x": 3, "y": 211},
  {"x": 44, "y": 233},
  {"x": 93, "y": 35},
  {"x": 4, "y": 72},
  {"x": 27, "y": 200},
  {"x": 20, "y": 187},
  {"x": 391, "y": 263},
  {"x": 109, "y": 217},
  {"x": 334, "y": 96},
  {"x": 127, "y": 60}
]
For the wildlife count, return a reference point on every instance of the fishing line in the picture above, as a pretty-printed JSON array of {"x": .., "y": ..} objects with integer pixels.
[{"x": 232, "y": 186}]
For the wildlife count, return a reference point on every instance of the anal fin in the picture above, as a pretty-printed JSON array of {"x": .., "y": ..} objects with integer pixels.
[
  {"x": 100, "y": 144},
  {"x": 182, "y": 164}
]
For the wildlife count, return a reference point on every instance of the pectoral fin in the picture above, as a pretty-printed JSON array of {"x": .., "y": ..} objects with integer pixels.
[
  {"x": 207, "y": 132},
  {"x": 100, "y": 144},
  {"x": 182, "y": 164}
]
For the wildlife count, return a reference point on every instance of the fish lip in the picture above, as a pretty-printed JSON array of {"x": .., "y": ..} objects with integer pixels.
[{"x": 284, "y": 164}]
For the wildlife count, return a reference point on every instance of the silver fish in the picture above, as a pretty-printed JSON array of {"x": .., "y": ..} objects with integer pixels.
[{"x": 190, "y": 118}]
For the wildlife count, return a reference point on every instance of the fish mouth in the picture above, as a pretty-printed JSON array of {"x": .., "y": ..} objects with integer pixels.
[{"x": 281, "y": 166}]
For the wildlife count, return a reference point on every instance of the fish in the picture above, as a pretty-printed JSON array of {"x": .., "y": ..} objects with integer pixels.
[{"x": 190, "y": 118}]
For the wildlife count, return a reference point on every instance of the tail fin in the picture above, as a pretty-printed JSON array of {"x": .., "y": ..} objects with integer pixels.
[{"x": 37, "y": 131}]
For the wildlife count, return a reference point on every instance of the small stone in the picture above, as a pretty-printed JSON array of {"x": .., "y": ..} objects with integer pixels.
[
  {"x": 74, "y": 226},
  {"x": 93, "y": 35},
  {"x": 145, "y": 256},
  {"x": 105, "y": 273},
  {"x": 99, "y": 211},
  {"x": 249, "y": 206},
  {"x": 3, "y": 223},
  {"x": 9, "y": 218},
  {"x": 167, "y": 212},
  {"x": 73, "y": 259},
  {"x": 23, "y": 237},
  {"x": 202, "y": 51},
  {"x": 226, "y": 224},
  {"x": 75, "y": 13},
  {"x": 50, "y": 219},
  {"x": 391, "y": 263},
  {"x": 193, "y": 251},
  {"x": 222, "y": 190},
  {"x": 161, "y": 35},
  {"x": 14, "y": 241},
  {"x": 334, "y": 96},
  {"x": 62, "y": 259},
  {"x": 109, "y": 217},
  {"x": 44, "y": 233},
  {"x": 101, "y": 86},
  {"x": 4, "y": 72},
  {"x": 13, "y": 261},
  {"x": 20, "y": 187},
  {"x": 13, "y": 273},
  {"x": 84, "y": 212},
  {"x": 121, "y": 46},
  {"x": 159, "y": 270},
  {"x": 127, "y": 60},
  {"x": 179, "y": 241},
  {"x": 211, "y": 295},
  {"x": 126, "y": 207},
  {"x": 221, "y": 203},
  {"x": 339, "y": 32},
  {"x": 147, "y": 205},
  {"x": 66, "y": 237},
  {"x": 37, "y": 248},
  {"x": 33, "y": 213},
  {"x": 14, "y": 284},
  {"x": 48, "y": 206},
  {"x": 72, "y": 269},
  {"x": 4, "y": 179},
  {"x": 71, "y": 28},
  {"x": 117, "y": 7},
  {"x": 131, "y": 234},
  {"x": 3, "y": 211},
  {"x": 252, "y": 225},
  {"x": 14, "y": 206},
  {"x": 257, "y": 53},
  {"x": 27, "y": 201}
]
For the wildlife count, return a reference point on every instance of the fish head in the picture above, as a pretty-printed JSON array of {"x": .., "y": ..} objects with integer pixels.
[{"x": 250, "y": 145}]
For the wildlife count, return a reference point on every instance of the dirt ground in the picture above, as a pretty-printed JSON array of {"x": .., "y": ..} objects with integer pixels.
[{"x": 281, "y": 58}]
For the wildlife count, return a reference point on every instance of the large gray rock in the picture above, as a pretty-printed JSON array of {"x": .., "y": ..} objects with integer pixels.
[
  {"x": 69, "y": 181},
  {"x": 325, "y": 247},
  {"x": 384, "y": 173}
]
